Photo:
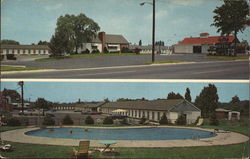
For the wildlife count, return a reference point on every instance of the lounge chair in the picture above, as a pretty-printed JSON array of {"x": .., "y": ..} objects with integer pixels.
[
  {"x": 83, "y": 150},
  {"x": 200, "y": 122},
  {"x": 6, "y": 147}
]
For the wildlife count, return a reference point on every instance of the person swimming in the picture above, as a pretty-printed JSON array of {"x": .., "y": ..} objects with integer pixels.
[
  {"x": 71, "y": 132},
  {"x": 86, "y": 129}
]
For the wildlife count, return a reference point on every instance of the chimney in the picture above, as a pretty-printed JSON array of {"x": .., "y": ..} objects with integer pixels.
[{"x": 102, "y": 37}]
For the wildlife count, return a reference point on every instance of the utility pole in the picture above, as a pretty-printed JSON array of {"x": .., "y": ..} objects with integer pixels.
[
  {"x": 21, "y": 83},
  {"x": 153, "y": 34}
]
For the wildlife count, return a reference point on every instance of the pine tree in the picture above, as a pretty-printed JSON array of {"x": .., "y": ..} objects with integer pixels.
[{"x": 188, "y": 95}]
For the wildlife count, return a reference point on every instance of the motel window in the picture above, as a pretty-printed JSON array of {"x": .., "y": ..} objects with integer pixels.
[
  {"x": 139, "y": 113},
  {"x": 18, "y": 51},
  {"x": 143, "y": 113},
  {"x": 153, "y": 115},
  {"x": 29, "y": 51},
  {"x": 132, "y": 113},
  {"x": 39, "y": 51},
  {"x": 135, "y": 113},
  {"x": 94, "y": 47},
  {"x": 148, "y": 114}
]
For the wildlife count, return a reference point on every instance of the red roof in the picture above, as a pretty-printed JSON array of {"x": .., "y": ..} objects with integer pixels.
[{"x": 209, "y": 40}]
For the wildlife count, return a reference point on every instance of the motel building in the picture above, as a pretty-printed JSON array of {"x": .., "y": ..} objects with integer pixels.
[
  {"x": 110, "y": 42},
  {"x": 25, "y": 49},
  {"x": 200, "y": 45},
  {"x": 154, "y": 109}
]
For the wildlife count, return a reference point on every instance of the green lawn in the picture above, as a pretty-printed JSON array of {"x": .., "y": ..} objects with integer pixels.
[
  {"x": 87, "y": 55},
  {"x": 166, "y": 61},
  {"x": 16, "y": 68},
  {"x": 227, "y": 58},
  {"x": 241, "y": 127}
]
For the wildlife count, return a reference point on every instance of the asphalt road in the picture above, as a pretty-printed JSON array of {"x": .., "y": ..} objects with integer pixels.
[{"x": 199, "y": 70}]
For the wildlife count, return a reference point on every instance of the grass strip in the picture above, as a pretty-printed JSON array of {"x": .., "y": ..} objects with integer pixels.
[
  {"x": 165, "y": 62},
  {"x": 227, "y": 58},
  {"x": 17, "y": 68}
]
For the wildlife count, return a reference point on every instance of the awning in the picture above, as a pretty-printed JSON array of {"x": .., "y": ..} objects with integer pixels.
[{"x": 119, "y": 111}]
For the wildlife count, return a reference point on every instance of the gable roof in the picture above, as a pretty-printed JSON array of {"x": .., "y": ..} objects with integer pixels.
[
  {"x": 209, "y": 40},
  {"x": 160, "y": 105},
  {"x": 6, "y": 46},
  {"x": 115, "y": 39}
]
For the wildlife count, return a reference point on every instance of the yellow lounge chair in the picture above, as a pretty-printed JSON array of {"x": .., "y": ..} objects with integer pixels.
[{"x": 83, "y": 150}]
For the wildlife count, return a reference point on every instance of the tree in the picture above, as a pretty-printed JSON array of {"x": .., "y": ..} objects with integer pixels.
[
  {"x": 43, "y": 43},
  {"x": 89, "y": 120},
  {"x": 188, "y": 95},
  {"x": 232, "y": 17},
  {"x": 207, "y": 100},
  {"x": 108, "y": 120},
  {"x": 42, "y": 104},
  {"x": 163, "y": 120},
  {"x": 9, "y": 42},
  {"x": 235, "y": 100},
  {"x": 67, "y": 120},
  {"x": 58, "y": 45},
  {"x": 213, "y": 120},
  {"x": 172, "y": 95},
  {"x": 181, "y": 120},
  {"x": 48, "y": 120},
  {"x": 72, "y": 31},
  {"x": 140, "y": 43}
]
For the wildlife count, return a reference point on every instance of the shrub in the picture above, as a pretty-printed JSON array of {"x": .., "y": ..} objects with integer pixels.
[
  {"x": 67, "y": 120},
  {"x": 164, "y": 119},
  {"x": 125, "y": 50},
  {"x": 105, "y": 50},
  {"x": 11, "y": 57},
  {"x": 2, "y": 57},
  {"x": 85, "y": 51},
  {"x": 213, "y": 120},
  {"x": 137, "y": 50},
  {"x": 89, "y": 120},
  {"x": 142, "y": 121},
  {"x": 96, "y": 51},
  {"x": 108, "y": 120},
  {"x": 13, "y": 122},
  {"x": 181, "y": 120},
  {"x": 48, "y": 120}
]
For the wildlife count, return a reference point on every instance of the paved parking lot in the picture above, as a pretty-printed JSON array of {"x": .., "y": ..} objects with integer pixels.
[{"x": 100, "y": 61}]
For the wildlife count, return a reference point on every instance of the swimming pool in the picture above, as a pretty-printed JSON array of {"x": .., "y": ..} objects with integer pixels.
[{"x": 123, "y": 134}]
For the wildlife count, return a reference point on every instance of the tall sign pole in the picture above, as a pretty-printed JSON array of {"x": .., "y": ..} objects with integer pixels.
[
  {"x": 21, "y": 83},
  {"x": 153, "y": 34}
]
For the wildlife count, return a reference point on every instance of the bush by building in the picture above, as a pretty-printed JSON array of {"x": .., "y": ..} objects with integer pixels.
[
  {"x": 181, "y": 120},
  {"x": 48, "y": 120},
  {"x": 163, "y": 120},
  {"x": 108, "y": 120},
  {"x": 10, "y": 57},
  {"x": 89, "y": 120},
  {"x": 67, "y": 120},
  {"x": 13, "y": 122},
  {"x": 125, "y": 50},
  {"x": 96, "y": 51}
]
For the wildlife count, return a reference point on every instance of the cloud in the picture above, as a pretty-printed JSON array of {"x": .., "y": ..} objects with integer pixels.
[
  {"x": 161, "y": 14},
  {"x": 54, "y": 7}
]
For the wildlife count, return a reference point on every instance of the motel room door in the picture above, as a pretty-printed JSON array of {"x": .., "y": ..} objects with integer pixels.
[{"x": 197, "y": 49}]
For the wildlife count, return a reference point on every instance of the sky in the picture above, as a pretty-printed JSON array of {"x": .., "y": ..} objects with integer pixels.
[
  {"x": 98, "y": 91},
  {"x": 29, "y": 21}
]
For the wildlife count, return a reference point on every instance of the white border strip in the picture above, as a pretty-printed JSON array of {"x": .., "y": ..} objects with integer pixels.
[{"x": 128, "y": 80}]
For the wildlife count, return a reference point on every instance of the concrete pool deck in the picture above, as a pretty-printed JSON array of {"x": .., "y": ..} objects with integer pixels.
[{"x": 222, "y": 138}]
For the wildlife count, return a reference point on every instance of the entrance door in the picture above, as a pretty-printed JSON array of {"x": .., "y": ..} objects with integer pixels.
[{"x": 197, "y": 49}]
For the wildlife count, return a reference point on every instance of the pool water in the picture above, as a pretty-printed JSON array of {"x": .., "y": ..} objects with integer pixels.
[{"x": 122, "y": 134}]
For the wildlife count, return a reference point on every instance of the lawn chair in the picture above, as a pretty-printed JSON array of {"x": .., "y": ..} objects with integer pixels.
[
  {"x": 6, "y": 147},
  {"x": 83, "y": 150},
  {"x": 200, "y": 122}
]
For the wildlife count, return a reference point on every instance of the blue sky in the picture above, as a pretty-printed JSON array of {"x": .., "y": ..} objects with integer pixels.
[
  {"x": 29, "y": 21},
  {"x": 97, "y": 91}
]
